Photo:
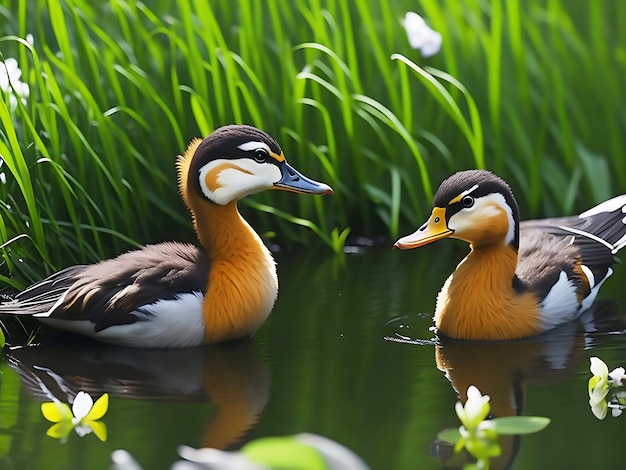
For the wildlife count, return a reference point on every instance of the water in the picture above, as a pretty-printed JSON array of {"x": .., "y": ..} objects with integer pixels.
[{"x": 322, "y": 364}]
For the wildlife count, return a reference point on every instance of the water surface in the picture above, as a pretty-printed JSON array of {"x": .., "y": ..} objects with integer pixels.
[{"x": 322, "y": 364}]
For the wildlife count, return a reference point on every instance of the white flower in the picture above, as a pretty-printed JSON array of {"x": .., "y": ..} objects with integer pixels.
[
  {"x": 421, "y": 36},
  {"x": 10, "y": 82},
  {"x": 617, "y": 376},
  {"x": 601, "y": 384},
  {"x": 616, "y": 410},
  {"x": 475, "y": 410}
]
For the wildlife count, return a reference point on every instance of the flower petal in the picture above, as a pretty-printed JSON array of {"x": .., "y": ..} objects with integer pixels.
[
  {"x": 460, "y": 412},
  {"x": 60, "y": 430},
  {"x": 476, "y": 407},
  {"x": 593, "y": 383},
  {"x": 82, "y": 405},
  {"x": 598, "y": 367},
  {"x": 600, "y": 409},
  {"x": 473, "y": 393},
  {"x": 598, "y": 395},
  {"x": 99, "y": 408},
  {"x": 56, "y": 411},
  {"x": 618, "y": 376},
  {"x": 420, "y": 35},
  {"x": 99, "y": 429},
  {"x": 83, "y": 429}
]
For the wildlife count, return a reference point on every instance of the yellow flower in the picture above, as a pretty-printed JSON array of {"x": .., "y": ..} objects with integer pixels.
[{"x": 83, "y": 416}]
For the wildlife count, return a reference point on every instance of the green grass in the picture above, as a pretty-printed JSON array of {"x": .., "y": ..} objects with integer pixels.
[{"x": 532, "y": 90}]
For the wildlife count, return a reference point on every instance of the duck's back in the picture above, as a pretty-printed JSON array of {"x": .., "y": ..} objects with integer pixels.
[{"x": 107, "y": 293}]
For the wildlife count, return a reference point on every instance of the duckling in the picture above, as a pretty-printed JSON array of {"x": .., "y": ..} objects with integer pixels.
[
  {"x": 519, "y": 279},
  {"x": 174, "y": 295}
]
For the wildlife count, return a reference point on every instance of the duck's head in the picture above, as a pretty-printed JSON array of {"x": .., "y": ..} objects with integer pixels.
[
  {"x": 235, "y": 161},
  {"x": 473, "y": 205}
]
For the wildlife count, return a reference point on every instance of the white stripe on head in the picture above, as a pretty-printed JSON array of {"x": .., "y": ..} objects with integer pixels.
[
  {"x": 240, "y": 177},
  {"x": 465, "y": 193},
  {"x": 254, "y": 145}
]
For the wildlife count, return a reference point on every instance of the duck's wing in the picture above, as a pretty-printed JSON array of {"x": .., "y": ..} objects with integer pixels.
[
  {"x": 543, "y": 257},
  {"x": 107, "y": 293},
  {"x": 582, "y": 248},
  {"x": 597, "y": 234}
]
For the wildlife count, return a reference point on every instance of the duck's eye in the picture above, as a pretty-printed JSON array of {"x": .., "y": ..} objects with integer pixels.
[
  {"x": 467, "y": 201},
  {"x": 260, "y": 156}
]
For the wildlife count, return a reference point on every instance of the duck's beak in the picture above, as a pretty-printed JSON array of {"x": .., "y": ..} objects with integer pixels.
[
  {"x": 434, "y": 229},
  {"x": 293, "y": 180}
]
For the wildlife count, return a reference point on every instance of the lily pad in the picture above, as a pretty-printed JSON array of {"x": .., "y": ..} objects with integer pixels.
[
  {"x": 519, "y": 424},
  {"x": 450, "y": 435}
]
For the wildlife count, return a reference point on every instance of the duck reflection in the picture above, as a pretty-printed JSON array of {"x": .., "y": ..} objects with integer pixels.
[
  {"x": 502, "y": 370},
  {"x": 231, "y": 376}
]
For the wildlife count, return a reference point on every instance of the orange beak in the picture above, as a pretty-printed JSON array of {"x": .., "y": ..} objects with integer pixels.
[{"x": 434, "y": 229}]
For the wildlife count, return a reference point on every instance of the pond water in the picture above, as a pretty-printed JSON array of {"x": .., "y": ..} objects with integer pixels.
[{"x": 324, "y": 363}]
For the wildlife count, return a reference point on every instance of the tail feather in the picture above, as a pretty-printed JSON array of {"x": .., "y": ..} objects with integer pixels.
[
  {"x": 4, "y": 298},
  {"x": 607, "y": 221},
  {"x": 604, "y": 224}
]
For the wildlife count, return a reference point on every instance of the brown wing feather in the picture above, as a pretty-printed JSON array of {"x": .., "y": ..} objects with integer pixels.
[
  {"x": 549, "y": 246},
  {"x": 542, "y": 258},
  {"x": 108, "y": 292}
]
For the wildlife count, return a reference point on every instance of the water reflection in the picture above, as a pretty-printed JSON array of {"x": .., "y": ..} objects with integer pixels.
[
  {"x": 231, "y": 376},
  {"x": 503, "y": 370},
  {"x": 331, "y": 374}
]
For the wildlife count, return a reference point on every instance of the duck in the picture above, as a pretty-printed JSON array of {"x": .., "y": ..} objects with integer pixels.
[
  {"x": 172, "y": 294},
  {"x": 520, "y": 279}
]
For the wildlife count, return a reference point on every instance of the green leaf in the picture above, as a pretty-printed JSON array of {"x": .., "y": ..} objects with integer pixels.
[
  {"x": 450, "y": 435},
  {"x": 519, "y": 424},
  {"x": 284, "y": 453}
]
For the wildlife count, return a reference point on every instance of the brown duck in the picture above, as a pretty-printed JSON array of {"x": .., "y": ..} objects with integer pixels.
[
  {"x": 519, "y": 279},
  {"x": 178, "y": 295}
]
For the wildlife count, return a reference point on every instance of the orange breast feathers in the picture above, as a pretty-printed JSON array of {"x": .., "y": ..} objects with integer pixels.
[
  {"x": 478, "y": 301},
  {"x": 241, "y": 293},
  {"x": 242, "y": 286}
]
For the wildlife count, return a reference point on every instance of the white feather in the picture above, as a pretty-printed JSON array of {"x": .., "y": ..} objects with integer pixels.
[
  {"x": 607, "y": 206},
  {"x": 560, "y": 305},
  {"x": 595, "y": 287},
  {"x": 175, "y": 323},
  {"x": 242, "y": 177},
  {"x": 254, "y": 145}
]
